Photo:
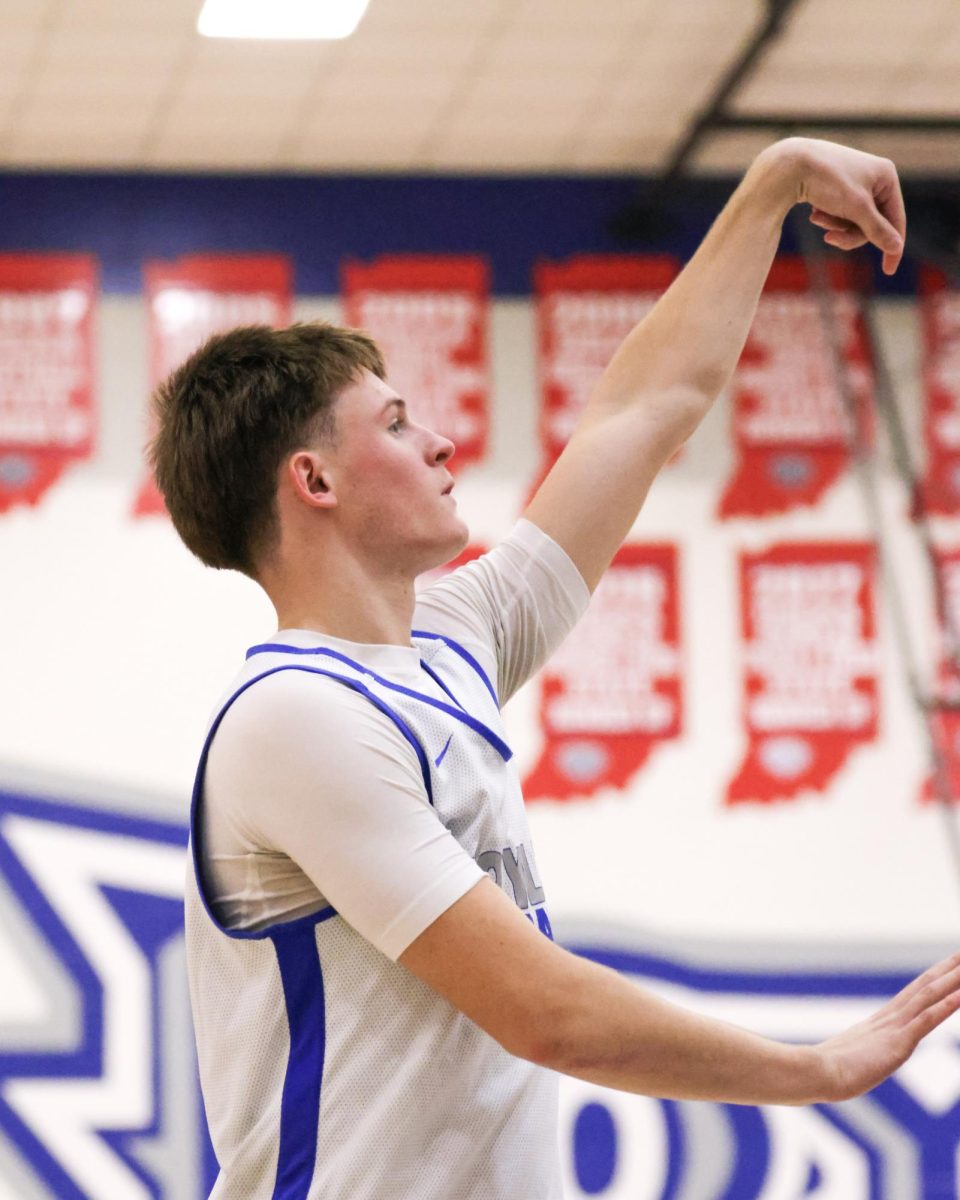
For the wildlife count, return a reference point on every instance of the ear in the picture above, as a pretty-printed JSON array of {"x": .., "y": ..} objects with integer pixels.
[{"x": 311, "y": 479}]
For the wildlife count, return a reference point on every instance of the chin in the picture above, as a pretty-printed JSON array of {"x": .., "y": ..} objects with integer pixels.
[{"x": 452, "y": 545}]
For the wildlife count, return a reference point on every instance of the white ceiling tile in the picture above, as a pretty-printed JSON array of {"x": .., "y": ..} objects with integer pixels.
[
  {"x": 810, "y": 89},
  {"x": 592, "y": 152},
  {"x": 344, "y": 150},
  {"x": 493, "y": 157},
  {"x": 189, "y": 120},
  {"x": 239, "y": 56},
  {"x": 44, "y": 146},
  {"x": 18, "y": 47},
  {"x": 211, "y": 147},
  {"x": 21, "y": 16},
  {"x": 121, "y": 51},
  {"x": 933, "y": 90},
  {"x": 89, "y": 112},
  {"x": 419, "y": 47},
  {"x": 517, "y": 91},
  {"x": 411, "y": 113},
  {"x": 144, "y": 16},
  {"x": 731, "y": 153},
  {"x": 404, "y": 13},
  {"x": 619, "y": 13},
  {"x": 193, "y": 87},
  {"x": 64, "y": 88},
  {"x": 945, "y": 48},
  {"x": 379, "y": 89},
  {"x": 816, "y": 22},
  {"x": 529, "y": 48},
  {"x": 933, "y": 154}
]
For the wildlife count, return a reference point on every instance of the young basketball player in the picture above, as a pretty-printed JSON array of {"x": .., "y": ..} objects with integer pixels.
[{"x": 379, "y": 1007}]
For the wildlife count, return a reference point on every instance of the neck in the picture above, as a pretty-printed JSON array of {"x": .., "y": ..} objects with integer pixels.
[{"x": 353, "y": 602}]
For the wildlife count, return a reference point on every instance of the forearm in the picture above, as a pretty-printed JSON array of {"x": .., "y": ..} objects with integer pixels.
[
  {"x": 689, "y": 344},
  {"x": 609, "y": 1032}
]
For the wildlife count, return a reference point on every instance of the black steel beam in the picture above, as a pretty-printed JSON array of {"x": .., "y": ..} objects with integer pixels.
[
  {"x": 882, "y": 122},
  {"x": 739, "y": 70}
]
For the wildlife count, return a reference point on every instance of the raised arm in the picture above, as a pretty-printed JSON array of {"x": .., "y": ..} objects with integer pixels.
[{"x": 671, "y": 367}]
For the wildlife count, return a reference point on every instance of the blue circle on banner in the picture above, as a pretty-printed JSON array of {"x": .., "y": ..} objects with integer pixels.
[
  {"x": 785, "y": 757},
  {"x": 582, "y": 761},
  {"x": 791, "y": 470},
  {"x": 594, "y": 1148},
  {"x": 16, "y": 470}
]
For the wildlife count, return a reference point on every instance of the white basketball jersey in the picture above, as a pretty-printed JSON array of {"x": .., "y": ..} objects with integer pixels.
[{"x": 328, "y": 1071}]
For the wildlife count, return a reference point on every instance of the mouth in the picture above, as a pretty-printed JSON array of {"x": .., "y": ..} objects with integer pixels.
[{"x": 448, "y": 489}]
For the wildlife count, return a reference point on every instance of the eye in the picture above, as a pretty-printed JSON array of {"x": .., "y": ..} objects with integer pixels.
[{"x": 397, "y": 425}]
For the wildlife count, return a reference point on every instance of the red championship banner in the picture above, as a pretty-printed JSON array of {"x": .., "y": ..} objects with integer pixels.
[
  {"x": 945, "y": 713},
  {"x": 810, "y": 665},
  {"x": 585, "y": 308},
  {"x": 614, "y": 689},
  {"x": 791, "y": 424},
  {"x": 429, "y": 316},
  {"x": 940, "y": 323},
  {"x": 192, "y": 298},
  {"x": 47, "y": 413}
]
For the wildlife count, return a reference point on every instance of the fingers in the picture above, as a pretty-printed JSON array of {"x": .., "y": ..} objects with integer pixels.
[
  {"x": 877, "y": 228},
  {"x": 935, "y": 1015},
  {"x": 846, "y": 241},
  {"x": 828, "y": 221},
  {"x": 889, "y": 200},
  {"x": 871, "y": 202},
  {"x": 941, "y": 977}
]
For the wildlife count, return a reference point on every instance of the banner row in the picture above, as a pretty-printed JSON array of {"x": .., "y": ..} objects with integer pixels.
[
  {"x": 809, "y": 687},
  {"x": 802, "y": 395}
]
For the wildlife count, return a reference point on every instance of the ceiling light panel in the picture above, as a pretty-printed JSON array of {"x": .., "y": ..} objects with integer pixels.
[{"x": 280, "y": 19}]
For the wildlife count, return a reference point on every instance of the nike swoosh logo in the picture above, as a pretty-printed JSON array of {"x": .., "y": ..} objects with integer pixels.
[{"x": 440, "y": 757}]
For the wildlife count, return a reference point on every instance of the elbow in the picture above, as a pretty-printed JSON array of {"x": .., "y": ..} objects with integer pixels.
[
  {"x": 679, "y": 409},
  {"x": 547, "y": 1038}
]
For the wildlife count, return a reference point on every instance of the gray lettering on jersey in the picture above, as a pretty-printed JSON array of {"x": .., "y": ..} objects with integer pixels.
[
  {"x": 526, "y": 891},
  {"x": 515, "y": 872},
  {"x": 491, "y": 861},
  {"x": 534, "y": 890}
]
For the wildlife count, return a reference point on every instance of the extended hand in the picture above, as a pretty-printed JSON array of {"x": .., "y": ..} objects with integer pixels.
[
  {"x": 866, "y": 1054},
  {"x": 854, "y": 196}
]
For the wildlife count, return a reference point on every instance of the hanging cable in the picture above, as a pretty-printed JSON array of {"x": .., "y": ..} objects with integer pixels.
[{"x": 863, "y": 462}]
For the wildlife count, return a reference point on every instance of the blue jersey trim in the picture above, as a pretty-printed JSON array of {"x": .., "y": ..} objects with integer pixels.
[
  {"x": 471, "y": 722},
  {"x": 465, "y": 655},
  {"x": 196, "y": 848},
  {"x": 440, "y": 684},
  {"x": 302, "y": 976}
]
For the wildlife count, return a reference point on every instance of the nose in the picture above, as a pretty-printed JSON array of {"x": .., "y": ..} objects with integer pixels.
[{"x": 441, "y": 449}]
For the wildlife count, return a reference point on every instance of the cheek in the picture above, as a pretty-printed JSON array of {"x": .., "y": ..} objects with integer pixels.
[{"x": 385, "y": 485}]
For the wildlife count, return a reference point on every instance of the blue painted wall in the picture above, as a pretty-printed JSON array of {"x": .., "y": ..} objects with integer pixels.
[{"x": 319, "y": 220}]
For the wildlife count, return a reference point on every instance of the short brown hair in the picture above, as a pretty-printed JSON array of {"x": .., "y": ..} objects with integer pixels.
[{"x": 230, "y": 414}]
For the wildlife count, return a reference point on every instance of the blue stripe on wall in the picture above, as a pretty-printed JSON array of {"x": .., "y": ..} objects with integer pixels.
[
  {"x": 320, "y": 219},
  {"x": 302, "y": 978}
]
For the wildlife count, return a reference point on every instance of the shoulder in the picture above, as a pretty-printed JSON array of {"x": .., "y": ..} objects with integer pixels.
[
  {"x": 500, "y": 576},
  {"x": 302, "y": 712}
]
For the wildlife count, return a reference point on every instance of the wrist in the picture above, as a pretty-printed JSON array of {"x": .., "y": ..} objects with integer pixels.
[
  {"x": 776, "y": 175},
  {"x": 818, "y": 1074}
]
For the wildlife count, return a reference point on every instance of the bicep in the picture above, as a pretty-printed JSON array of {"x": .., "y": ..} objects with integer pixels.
[{"x": 591, "y": 497}]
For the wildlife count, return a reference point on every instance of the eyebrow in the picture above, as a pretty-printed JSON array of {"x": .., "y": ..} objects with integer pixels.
[{"x": 395, "y": 402}]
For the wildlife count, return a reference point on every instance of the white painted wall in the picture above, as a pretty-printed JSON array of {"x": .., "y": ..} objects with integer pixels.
[{"x": 115, "y": 644}]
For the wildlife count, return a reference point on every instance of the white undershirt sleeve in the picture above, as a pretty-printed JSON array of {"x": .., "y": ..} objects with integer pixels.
[
  {"x": 511, "y": 607},
  {"x": 312, "y": 778}
]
